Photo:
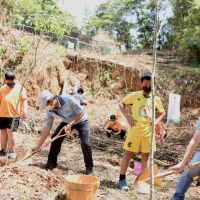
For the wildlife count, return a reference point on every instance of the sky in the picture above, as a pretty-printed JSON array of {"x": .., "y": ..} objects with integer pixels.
[{"x": 76, "y": 7}]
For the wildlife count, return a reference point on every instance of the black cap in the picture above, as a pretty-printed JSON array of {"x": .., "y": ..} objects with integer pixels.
[
  {"x": 10, "y": 75},
  {"x": 113, "y": 117},
  {"x": 80, "y": 90}
]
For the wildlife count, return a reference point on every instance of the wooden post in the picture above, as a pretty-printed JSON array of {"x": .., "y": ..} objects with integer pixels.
[
  {"x": 77, "y": 44},
  {"x": 152, "y": 191},
  {"x": 76, "y": 86},
  {"x": 64, "y": 89}
]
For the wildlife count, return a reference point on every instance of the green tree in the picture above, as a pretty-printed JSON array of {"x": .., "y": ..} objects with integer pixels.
[
  {"x": 87, "y": 14},
  {"x": 186, "y": 27},
  {"x": 6, "y": 8},
  {"x": 112, "y": 16},
  {"x": 131, "y": 22},
  {"x": 145, "y": 23},
  {"x": 190, "y": 39},
  {"x": 44, "y": 15}
]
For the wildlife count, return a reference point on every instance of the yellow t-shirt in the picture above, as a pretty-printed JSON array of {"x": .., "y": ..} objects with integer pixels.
[
  {"x": 141, "y": 109},
  {"x": 9, "y": 99}
]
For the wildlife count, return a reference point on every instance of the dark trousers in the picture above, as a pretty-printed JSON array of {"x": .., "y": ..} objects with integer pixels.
[
  {"x": 84, "y": 134},
  {"x": 121, "y": 134}
]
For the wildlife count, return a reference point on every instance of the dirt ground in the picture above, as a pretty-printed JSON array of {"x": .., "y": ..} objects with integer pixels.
[{"x": 32, "y": 182}]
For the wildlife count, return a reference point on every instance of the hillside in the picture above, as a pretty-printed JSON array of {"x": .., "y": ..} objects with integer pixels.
[{"x": 106, "y": 80}]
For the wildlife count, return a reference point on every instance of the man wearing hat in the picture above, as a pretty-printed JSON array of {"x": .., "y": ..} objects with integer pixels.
[
  {"x": 139, "y": 118},
  {"x": 66, "y": 108}
]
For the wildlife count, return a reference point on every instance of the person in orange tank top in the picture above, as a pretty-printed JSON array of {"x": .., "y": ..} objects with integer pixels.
[{"x": 13, "y": 105}]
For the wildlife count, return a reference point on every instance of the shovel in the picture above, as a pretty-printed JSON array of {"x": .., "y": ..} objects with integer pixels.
[
  {"x": 143, "y": 187},
  {"x": 25, "y": 154},
  {"x": 141, "y": 182}
]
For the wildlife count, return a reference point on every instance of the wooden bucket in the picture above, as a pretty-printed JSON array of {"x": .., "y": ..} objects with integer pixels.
[{"x": 81, "y": 187}]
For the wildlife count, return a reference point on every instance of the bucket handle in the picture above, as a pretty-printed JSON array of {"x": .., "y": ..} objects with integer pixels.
[{"x": 83, "y": 190}]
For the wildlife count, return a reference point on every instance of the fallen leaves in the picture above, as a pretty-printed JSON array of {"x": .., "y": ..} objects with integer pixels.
[{"x": 30, "y": 180}]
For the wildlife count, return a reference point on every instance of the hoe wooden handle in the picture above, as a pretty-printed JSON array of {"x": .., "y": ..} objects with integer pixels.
[
  {"x": 167, "y": 173},
  {"x": 52, "y": 140}
]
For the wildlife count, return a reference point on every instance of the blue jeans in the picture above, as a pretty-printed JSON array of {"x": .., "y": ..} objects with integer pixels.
[{"x": 187, "y": 179}]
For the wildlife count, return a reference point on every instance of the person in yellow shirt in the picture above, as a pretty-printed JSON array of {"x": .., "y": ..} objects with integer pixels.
[
  {"x": 137, "y": 109},
  {"x": 114, "y": 127},
  {"x": 9, "y": 97}
]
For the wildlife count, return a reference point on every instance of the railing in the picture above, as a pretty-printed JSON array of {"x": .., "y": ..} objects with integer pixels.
[{"x": 71, "y": 43}]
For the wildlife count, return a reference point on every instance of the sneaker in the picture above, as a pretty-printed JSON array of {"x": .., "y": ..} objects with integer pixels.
[
  {"x": 197, "y": 180},
  {"x": 122, "y": 185},
  {"x": 198, "y": 183},
  {"x": 50, "y": 166},
  {"x": 89, "y": 171},
  {"x": 2, "y": 153},
  {"x": 12, "y": 155}
]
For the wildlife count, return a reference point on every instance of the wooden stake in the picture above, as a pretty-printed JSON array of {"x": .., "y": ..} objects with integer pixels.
[
  {"x": 64, "y": 89},
  {"x": 152, "y": 191}
]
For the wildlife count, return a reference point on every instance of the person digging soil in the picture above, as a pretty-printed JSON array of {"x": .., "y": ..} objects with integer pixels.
[
  {"x": 73, "y": 116},
  {"x": 188, "y": 175}
]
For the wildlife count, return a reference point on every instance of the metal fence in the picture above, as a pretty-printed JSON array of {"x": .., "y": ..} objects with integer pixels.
[{"x": 71, "y": 43}]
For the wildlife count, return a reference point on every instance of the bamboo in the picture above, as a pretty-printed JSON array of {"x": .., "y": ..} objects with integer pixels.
[
  {"x": 152, "y": 191},
  {"x": 64, "y": 89}
]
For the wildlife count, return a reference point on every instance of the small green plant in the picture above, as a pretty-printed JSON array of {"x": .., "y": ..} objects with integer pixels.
[
  {"x": 94, "y": 89},
  {"x": 106, "y": 50},
  {"x": 23, "y": 197},
  {"x": 1, "y": 71},
  {"x": 2, "y": 50},
  {"x": 132, "y": 194},
  {"x": 105, "y": 78},
  {"x": 62, "y": 51},
  {"x": 24, "y": 44}
]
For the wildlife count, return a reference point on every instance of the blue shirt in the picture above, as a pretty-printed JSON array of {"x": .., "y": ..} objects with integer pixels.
[
  {"x": 68, "y": 110},
  {"x": 198, "y": 125}
]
